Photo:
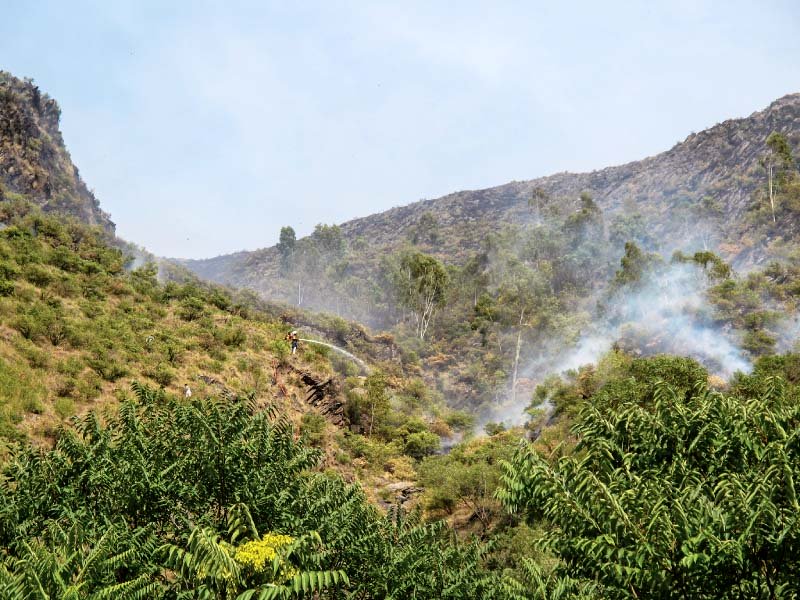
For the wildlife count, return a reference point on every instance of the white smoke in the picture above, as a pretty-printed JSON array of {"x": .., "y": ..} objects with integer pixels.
[
  {"x": 789, "y": 335},
  {"x": 669, "y": 313},
  {"x": 672, "y": 312}
]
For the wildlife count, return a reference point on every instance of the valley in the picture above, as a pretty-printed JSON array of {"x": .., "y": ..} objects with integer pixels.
[{"x": 577, "y": 386}]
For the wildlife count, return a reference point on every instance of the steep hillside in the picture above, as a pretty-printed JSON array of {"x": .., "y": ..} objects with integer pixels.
[
  {"x": 720, "y": 164},
  {"x": 80, "y": 332},
  {"x": 84, "y": 316},
  {"x": 34, "y": 162},
  {"x": 160, "y": 439},
  {"x": 681, "y": 253}
]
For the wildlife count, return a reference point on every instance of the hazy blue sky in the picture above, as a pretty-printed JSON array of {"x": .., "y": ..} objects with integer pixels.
[{"x": 203, "y": 127}]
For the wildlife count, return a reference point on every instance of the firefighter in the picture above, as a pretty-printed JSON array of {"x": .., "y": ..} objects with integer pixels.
[{"x": 293, "y": 338}]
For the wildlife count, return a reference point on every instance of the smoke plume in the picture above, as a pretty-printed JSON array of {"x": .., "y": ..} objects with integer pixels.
[{"x": 666, "y": 313}]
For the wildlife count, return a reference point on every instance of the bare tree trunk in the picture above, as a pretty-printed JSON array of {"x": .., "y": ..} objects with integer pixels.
[
  {"x": 371, "y": 419},
  {"x": 704, "y": 237},
  {"x": 425, "y": 314},
  {"x": 770, "y": 170},
  {"x": 516, "y": 358}
]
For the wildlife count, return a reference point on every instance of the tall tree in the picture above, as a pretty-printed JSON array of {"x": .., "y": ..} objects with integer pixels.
[
  {"x": 522, "y": 293},
  {"x": 538, "y": 198},
  {"x": 329, "y": 241},
  {"x": 420, "y": 282},
  {"x": 777, "y": 162},
  {"x": 286, "y": 245}
]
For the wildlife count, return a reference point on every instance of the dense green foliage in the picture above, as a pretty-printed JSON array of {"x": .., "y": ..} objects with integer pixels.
[
  {"x": 161, "y": 501},
  {"x": 672, "y": 491}
]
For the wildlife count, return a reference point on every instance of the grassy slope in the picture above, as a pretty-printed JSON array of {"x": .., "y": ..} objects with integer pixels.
[
  {"x": 77, "y": 329},
  {"x": 74, "y": 339}
]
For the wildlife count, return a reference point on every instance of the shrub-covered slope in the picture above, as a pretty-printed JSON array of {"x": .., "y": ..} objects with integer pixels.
[{"x": 77, "y": 329}]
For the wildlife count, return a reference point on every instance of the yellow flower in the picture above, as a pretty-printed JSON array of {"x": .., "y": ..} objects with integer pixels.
[{"x": 259, "y": 554}]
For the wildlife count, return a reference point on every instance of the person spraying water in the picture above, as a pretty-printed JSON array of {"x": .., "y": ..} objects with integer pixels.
[{"x": 294, "y": 338}]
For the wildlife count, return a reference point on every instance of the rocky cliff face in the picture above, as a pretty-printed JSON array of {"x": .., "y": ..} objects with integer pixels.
[
  {"x": 34, "y": 162},
  {"x": 716, "y": 167}
]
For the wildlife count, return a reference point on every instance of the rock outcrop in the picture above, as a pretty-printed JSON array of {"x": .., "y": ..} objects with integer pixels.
[{"x": 34, "y": 163}]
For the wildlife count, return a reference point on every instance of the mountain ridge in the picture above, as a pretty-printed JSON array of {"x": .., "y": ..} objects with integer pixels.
[{"x": 719, "y": 162}]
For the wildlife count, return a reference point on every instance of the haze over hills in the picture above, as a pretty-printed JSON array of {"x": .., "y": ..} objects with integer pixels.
[
  {"x": 534, "y": 284},
  {"x": 720, "y": 163},
  {"x": 574, "y": 412}
]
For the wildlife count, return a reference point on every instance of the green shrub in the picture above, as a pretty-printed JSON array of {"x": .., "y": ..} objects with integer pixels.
[
  {"x": 759, "y": 342},
  {"x": 91, "y": 309},
  {"x": 344, "y": 365},
  {"x": 220, "y": 300},
  {"x": 233, "y": 337},
  {"x": 312, "y": 428},
  {"x": 38, "y": 275},
  {"x": 281, "y": 350},
  {"x": 64, "y": 407},
  {"x": 65, "y": 286},
  {"x": 410, "y": 358},
  {"x": 341, "y": 329},
  {"x": 212, "y": 344},
  {"x": 173, "y": 353},
  {"x": 6, "y": 287},
  {"x": 317, "y": 351},
  {"x": 191, "y": 309},
  {"x": 67, "y": 260},
  {"x": 491, "y": 428},
  {"x": 421, "y": 444},
  {"x": 37, "y": 358},
  {"x": 214, "y": 366},
  {"x": 417, "y": 389},
  {"x": 89, "y": 387},
  {"x": 677, "y": 371},
  {"x": 21, "y": 390},
  {"x": 460, "y": 420},
  {"x": 68, "y": 388},
  {"x": 32, "y": 404},
  {"x": 8, "y": 270},
  {"x": 57, "y": 330},
  {"x": 28, "y": 326},
  {"x": 107, "y": 366},
  {"x": 70, "y": 366},
  {"x": 94, "y": 288},
  {"x": 162, "y": 375}
]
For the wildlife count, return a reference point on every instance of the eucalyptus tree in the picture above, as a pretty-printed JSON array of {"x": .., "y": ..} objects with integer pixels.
[
  {"x": 778, "y": 163},
  {"x": 286, "y": 246},
  {"x": 420, "y": 283}
]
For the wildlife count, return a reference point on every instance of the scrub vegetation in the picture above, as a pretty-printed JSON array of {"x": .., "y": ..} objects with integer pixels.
[{"x": 561, "y": 407}]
